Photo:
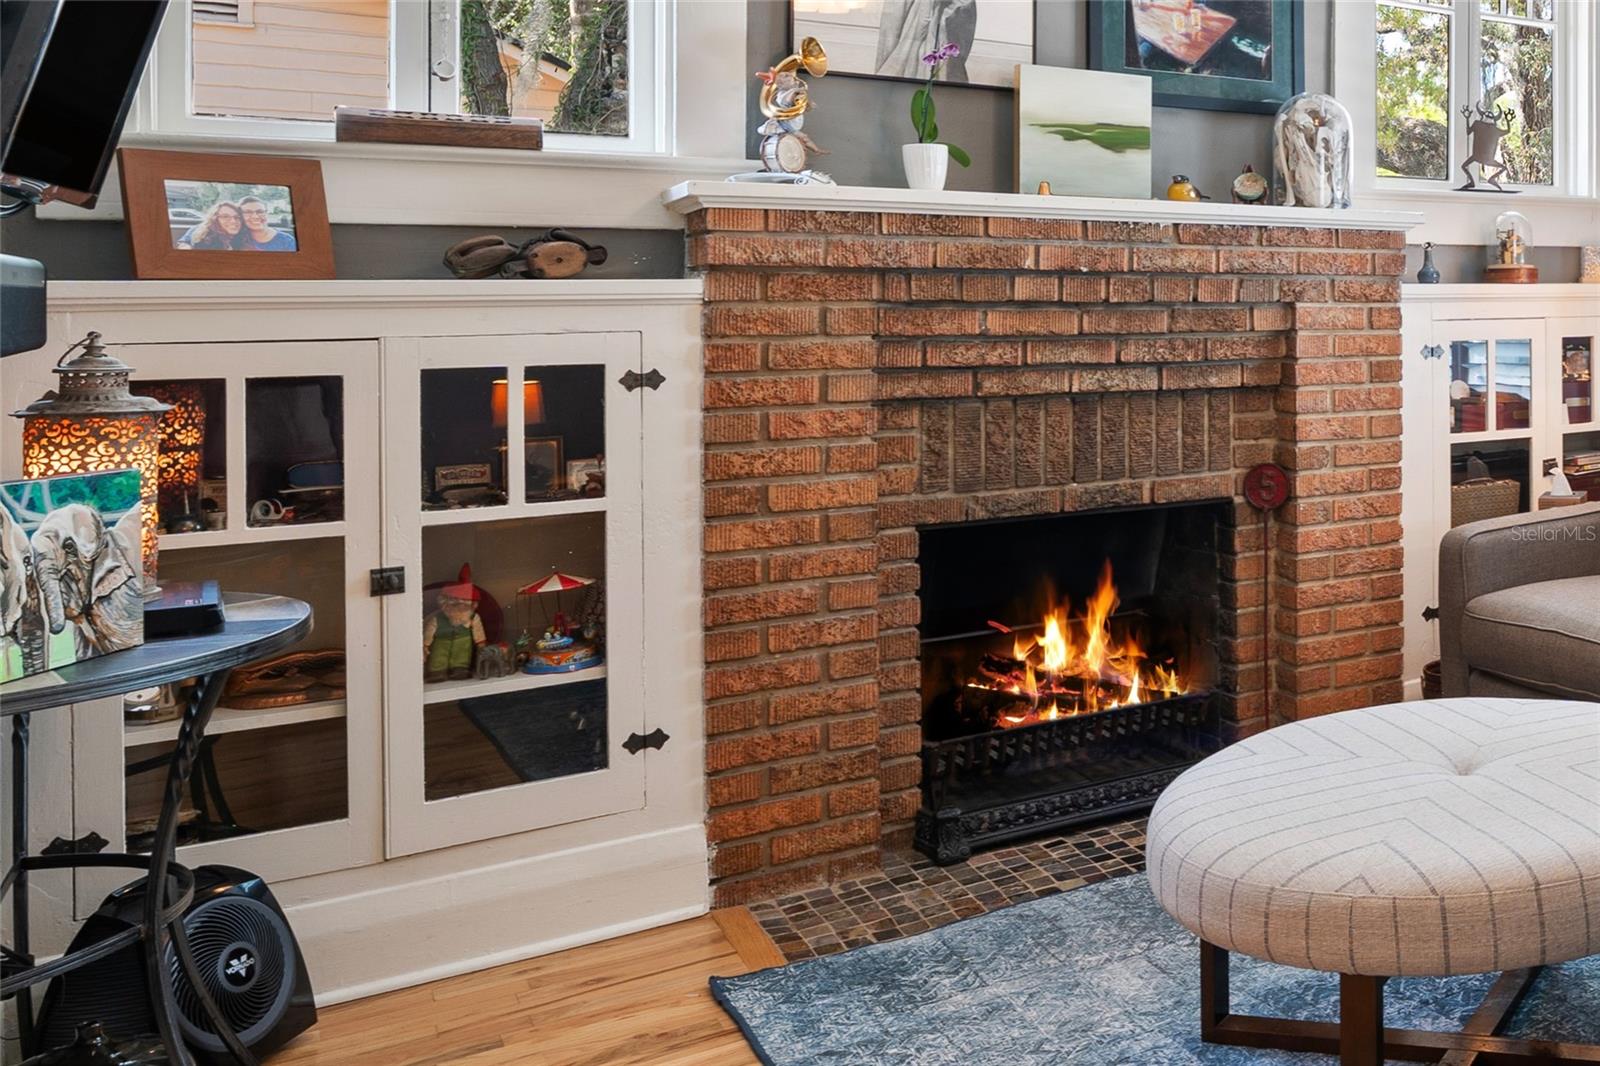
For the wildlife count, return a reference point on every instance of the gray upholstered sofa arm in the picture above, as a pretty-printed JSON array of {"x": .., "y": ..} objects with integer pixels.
[{"x": 1502, "y": 553}]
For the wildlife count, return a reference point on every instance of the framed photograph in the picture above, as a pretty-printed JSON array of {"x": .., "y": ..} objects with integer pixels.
[
  {"x": 586, "y": 477},
  {"x": 1084, "y": 131},
  {"x": 888, "y": 38},
  {"x": 194, "y": 215},
  {"x": 544, "y": 469},
  {"x": 1218, "y": 55}
]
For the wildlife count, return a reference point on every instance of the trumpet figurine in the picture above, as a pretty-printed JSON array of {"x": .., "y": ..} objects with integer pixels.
[{"x": 785, "y": 99}]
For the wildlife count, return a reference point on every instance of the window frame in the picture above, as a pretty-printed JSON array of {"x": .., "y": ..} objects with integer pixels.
[
  {"x": 1354, "y": 70},
  {"x": 164, "y": 107}
]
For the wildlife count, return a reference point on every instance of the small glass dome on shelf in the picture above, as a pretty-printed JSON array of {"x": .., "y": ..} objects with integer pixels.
[
  {"x": 1508, "y": 255},
  {"x": 1312, "y": 165}
]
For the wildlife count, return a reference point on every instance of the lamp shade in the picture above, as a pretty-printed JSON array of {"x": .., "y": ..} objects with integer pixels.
[
  {"x": 92, "y": 422},
  {"x": 532, "y": 402}
]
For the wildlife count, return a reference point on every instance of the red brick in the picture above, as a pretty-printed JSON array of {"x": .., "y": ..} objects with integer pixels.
[
  {"x": 817, "y": 703},
  {"x": 730, "y": 573},
  {"x": 974, "y": 353},
  {"x": 928, "y": 321},
  {"x": 1367, "y": 344},
  {"x": 734, "y": 218},
  {"x": 746, "y": 534},
  {"x": 1201, "y": 377},
  {"x": 1162, "y": 349},
  {"x": 878, "y": 252},
  {"x": 983, "y": 255},
  {"x": 730, "y": 859},
  {"x": 858, "y": 798},
  {"x": 985, "y": 288},
  {"x": 761, "y": 392},
  {"x": 1125, "y": 320},
  {"x": 1132, "y": 289},
  {"x": 1335, "y": 263},
  {"x": 740, "y": 787},
  {"x": 1081, "y": 257},
  {"x": 723, "y": 500},
  {"x": 1312, "y": 316},
  {"x": 1210, "y": 319},
  {"x": 1073, "y": 350},
  {"x": 763, "y": 818},
  {"x": 823, "y": 770},
  {"x": 1130, "y": 231},
  {"x": 1052, "y": 229},
  {"x": 825, "y": 839},
  {"x": 727, "y": 358},
  {"x": 727, "y": 753},
  {"x": 822, "y": 221},
  {"x": 726, "y": 249},
  {"x": 735, "y": 716},
  {"x": 1255, "y": 261},
  {"x": 762, "y": 462},
  {"x": 932, "y": 225},
  {"x": 818, "y": 495},
  {"x": 843, "y": 629},
  {"x": 839, "y": 422},
  {"x": 924, "y": 384},
  {"x": 1118, "y": 379},
  {"x": 823, "y": 562},
  {"x": 843, "y": 595},
  {"x": 1021, "y": 382},
  {"x": 1366, "y": 290},
  {"x": 1031, "y": 322},
  {"x": 734, "y": 608},
  {"x": 822, "y": 287},
  {"x": 1298, "y": 237},
  {"x": 729, "y": 429},
  {"x": 852, "y": 662},
  {"x": 1175, "y": 260}
]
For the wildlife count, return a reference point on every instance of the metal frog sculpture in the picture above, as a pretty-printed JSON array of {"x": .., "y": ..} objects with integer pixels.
[{"x": 1487, "y": 127}]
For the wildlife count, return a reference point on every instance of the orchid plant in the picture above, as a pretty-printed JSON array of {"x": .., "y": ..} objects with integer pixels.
[{"x": 922, "y": 104}]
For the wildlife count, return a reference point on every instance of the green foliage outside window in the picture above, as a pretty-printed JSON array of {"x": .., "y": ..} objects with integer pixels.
[{"x": 586, "y": 39}]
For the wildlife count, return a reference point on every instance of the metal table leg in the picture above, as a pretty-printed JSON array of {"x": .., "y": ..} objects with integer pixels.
[
  {"x": 19, "y": 848},
  {"x": 191, "y": 731}
]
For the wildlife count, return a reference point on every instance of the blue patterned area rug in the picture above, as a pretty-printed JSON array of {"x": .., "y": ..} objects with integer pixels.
[{"x": 1098, "y": 975}]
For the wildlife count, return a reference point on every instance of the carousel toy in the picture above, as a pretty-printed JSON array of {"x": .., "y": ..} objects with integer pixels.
[{"x": 557, "y": 650}]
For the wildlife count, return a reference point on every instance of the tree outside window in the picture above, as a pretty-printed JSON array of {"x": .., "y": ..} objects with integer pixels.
[{"x": 565, "y": 61}]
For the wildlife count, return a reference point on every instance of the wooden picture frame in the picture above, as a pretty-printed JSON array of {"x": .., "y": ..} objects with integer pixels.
[
  {"x": 169, "y": 196},
  {"x": 1202, "y": 78}
]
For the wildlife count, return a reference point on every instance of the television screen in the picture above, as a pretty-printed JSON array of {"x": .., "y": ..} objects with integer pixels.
[{"x": 85, "y": 73}]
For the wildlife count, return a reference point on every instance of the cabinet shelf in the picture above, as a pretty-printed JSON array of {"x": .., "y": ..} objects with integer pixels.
[
  {"x": 235, "y": 720},
  {"x": 252, "y": 535},
  {"x": 504, "y": 511},
  {"x": 446, "y": 691}
]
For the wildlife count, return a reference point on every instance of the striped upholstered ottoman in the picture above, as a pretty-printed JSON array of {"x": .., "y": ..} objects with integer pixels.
[{"x": 1433, "y": 838}]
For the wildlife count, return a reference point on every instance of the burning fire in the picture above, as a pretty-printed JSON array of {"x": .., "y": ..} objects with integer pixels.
[{"x": 1075, "y": 665}]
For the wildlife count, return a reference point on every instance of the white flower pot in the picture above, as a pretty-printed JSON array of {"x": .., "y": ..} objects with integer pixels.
[{"x": 925, "y": 164}]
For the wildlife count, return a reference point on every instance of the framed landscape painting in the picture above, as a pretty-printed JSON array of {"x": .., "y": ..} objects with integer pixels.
[
  {"x": 888, "y": 38},
  {"x": 1085, "y": 132},
  {"x": 1219, "y": 55}
]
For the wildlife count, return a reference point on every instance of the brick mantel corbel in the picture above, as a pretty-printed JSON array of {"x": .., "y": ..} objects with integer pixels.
[{"x": 878, "y": 360}]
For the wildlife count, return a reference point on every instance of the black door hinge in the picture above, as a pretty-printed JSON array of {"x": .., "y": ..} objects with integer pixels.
[
  {"x": 1430, "y": 614},
  {"x": 89, "y": 844},
  {"x": 388, "y": 580},
  {"x": 656, "y": 739},
  {"x": 1433, "y": 351},
  {"x": 651, "y": 379}
]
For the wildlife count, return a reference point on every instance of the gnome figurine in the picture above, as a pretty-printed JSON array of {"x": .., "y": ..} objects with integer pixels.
[{"x": 452, "y": 635}]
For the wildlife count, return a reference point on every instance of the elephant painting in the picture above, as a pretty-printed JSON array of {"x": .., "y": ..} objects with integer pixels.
[
  {"x": 89, "y": 575},
  {"x": 71, "y": 578},
  {"x": 20, "y": 620}
]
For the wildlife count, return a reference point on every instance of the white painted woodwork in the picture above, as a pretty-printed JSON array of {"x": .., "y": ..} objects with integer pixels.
[
  {"x": 693, "y": 195},
  {"x": 1437, "y": 315},
  {"x": 368, "y": 924}
]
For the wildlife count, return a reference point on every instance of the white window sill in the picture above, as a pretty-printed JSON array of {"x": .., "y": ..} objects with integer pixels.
[
  {"x": 437, "y": 185},
  {"x": 1454, "y": 217}
]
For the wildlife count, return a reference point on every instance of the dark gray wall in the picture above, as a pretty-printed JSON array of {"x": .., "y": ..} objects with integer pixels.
[
  {"x": 98, "y": 251},
  {"x": 863, "y": 121}
]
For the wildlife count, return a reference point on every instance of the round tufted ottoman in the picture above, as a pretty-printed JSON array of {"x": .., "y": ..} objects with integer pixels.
[{"x": 1430, "y": 838}]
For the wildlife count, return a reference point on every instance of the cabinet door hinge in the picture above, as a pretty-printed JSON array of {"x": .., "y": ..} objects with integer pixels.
[
  {"x": 1430, "y": 614},
  {"x": 388, "y": 580},
  {"x": 89, "y": 844},
  {"x": 651, "y": 379},
  {"x": 656, "y": 739},
  {"x": 1433, "y": 351}
]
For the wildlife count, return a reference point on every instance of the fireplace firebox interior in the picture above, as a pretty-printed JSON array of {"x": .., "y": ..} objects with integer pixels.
[{"x": 1069, "y": 668}]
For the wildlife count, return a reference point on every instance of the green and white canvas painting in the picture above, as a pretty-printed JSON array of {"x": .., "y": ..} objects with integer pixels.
[
  {"x": 1085, "y": 132},
  {"x": 71, "y": 578}
]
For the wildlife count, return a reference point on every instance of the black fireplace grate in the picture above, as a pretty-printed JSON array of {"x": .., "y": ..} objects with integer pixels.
[{"x": 988, "y": 787}]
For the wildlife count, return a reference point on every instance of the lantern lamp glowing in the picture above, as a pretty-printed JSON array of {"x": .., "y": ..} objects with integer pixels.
[
  {"x": 92, "y": 422},
  {"x": 183, "y": 440}
]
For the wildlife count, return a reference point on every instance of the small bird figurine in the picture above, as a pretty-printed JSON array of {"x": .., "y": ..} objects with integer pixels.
[
  {"x": 1183, "y": 189},
  {"x": 1249, "y": 187}
]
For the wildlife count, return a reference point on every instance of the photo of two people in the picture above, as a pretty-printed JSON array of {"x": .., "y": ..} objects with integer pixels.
[{"x": 216, "y": 216}]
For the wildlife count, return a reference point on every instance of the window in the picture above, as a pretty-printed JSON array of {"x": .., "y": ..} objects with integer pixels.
[
  {"x": 1444, "y": 67},
  {"x": 278, "y": 68}
]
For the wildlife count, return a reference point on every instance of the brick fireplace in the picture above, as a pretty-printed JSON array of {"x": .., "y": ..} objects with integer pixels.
[{"x": 872, "y": 371}]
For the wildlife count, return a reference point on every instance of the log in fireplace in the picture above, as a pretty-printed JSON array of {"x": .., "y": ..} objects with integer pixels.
[{"x": 1069, "y": 668}]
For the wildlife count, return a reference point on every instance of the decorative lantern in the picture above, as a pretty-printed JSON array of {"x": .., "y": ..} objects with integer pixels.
[
  {"x": 93, "y": 422},
  {"x": 1508, "y": 257},
  {"x": 183, "y": 441}
]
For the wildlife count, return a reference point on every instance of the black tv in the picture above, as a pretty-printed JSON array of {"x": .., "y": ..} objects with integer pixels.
[{"x": 68, "y": 73}]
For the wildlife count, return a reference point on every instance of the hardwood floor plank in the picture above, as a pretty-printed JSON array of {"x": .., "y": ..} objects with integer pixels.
[{"x": 638, "y": 1000}]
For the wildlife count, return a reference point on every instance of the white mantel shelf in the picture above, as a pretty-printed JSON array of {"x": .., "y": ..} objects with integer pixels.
[{"x": 690, "y": 196}]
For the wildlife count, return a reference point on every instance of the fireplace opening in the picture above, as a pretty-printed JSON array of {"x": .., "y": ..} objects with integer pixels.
[{"x": 1069, "y": 668}]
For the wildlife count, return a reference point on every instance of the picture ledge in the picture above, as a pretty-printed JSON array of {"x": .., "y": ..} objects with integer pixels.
[{"x": 691, "y": 196}]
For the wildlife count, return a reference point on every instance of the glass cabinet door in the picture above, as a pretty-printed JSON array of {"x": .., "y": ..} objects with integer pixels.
[
  {"x": 1495, "y": 390},
  {"x": 268, "y": 484},
  {"x": 1576, "y": 416},
  {"x": 513, "y": 469}
]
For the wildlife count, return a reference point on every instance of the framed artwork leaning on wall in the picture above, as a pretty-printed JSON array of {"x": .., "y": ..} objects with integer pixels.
[
  {"x": 888, "y": 38},
  {"x": 198, "y": 215},
  {"x": 1218, "y": 55}
]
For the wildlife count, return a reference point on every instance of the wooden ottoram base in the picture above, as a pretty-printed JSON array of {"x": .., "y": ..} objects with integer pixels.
[
  {"x": 1511, "y": 273},
  {"x": 1359, "y": 1037}
]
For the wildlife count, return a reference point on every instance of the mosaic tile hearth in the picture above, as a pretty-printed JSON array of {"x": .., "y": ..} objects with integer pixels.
[{"x": 911, "y": 894}]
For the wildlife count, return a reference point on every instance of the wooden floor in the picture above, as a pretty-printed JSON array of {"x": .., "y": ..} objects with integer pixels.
[{"x": 640, "y": 998}]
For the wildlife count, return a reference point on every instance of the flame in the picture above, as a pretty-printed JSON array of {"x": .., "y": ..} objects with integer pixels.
[{"x": 1079, "y": 664}]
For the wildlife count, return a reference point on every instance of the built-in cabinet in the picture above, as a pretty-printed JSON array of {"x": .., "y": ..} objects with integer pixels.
[
  {"x": 489, "y": 447},
  {"x": 1502, "y": 374}
]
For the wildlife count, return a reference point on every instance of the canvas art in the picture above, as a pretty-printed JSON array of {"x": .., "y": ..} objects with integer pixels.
[
  {"x": 1221, "y": 55},
  {"x": 1084, "y": 132},
  {"x": 888, "y": 38},
  {"x": 70, "y": 571}
]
